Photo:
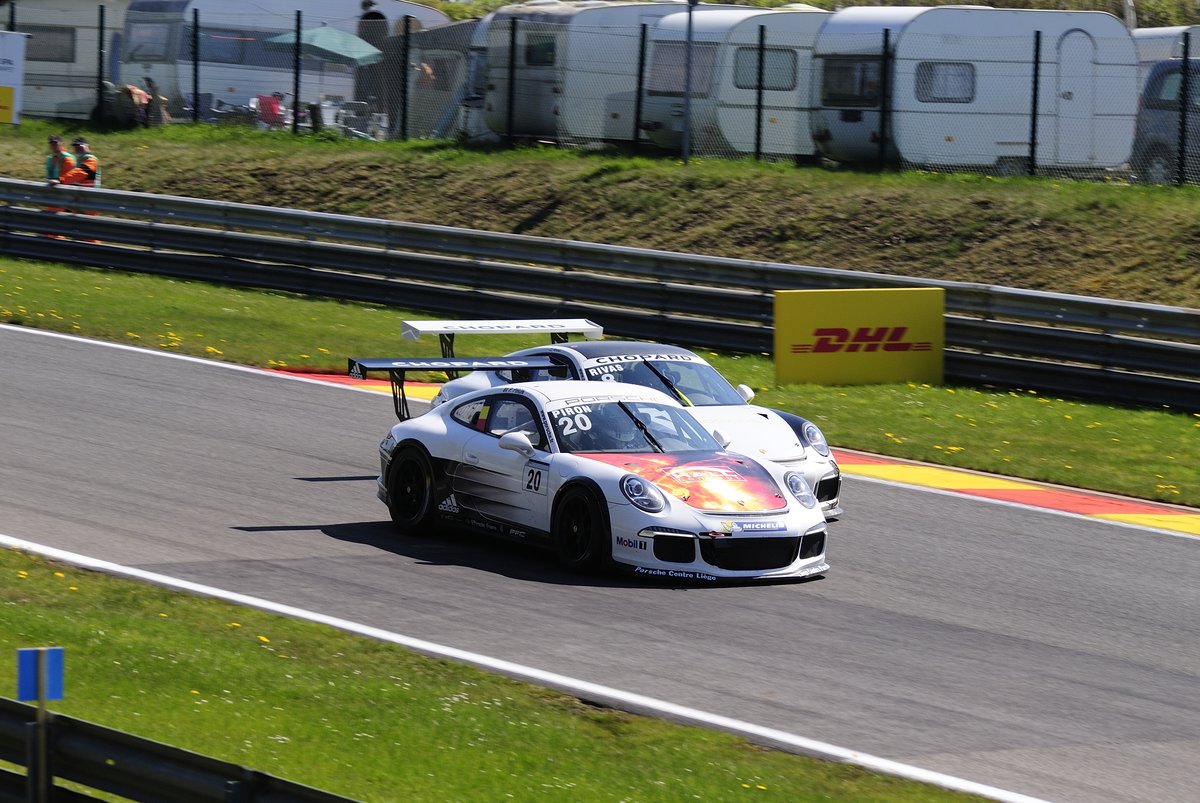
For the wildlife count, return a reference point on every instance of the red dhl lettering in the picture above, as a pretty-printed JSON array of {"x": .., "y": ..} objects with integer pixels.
[{"x": 864, "y": 338}]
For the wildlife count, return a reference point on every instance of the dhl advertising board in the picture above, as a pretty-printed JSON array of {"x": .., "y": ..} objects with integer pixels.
[
  {"x": 12, "y": 75},
  {"x": 859, "y": 337}
]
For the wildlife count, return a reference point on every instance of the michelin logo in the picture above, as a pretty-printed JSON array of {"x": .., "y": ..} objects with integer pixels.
[{"x": 753, "y": 526}]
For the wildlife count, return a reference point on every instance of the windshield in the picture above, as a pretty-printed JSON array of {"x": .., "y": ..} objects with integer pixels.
[
  {"x": 628, "y": 426},
  {"x": 693, "y": 383}
]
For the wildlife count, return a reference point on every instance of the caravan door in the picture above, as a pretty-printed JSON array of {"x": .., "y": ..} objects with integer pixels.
[{"x": 1075, "y": 100}]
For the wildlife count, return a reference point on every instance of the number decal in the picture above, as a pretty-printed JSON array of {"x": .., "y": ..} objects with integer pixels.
[
  {"x": 569, "y": 425},
  {"x": 535, "y": 475}
]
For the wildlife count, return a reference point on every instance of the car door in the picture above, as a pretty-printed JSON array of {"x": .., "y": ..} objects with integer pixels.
[{"x": 506, "y": 488}]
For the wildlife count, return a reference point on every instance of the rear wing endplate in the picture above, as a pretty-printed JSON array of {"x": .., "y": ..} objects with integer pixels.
[
  {"x": 360, "y": 367},
  {"x": 557, "y": 328}
]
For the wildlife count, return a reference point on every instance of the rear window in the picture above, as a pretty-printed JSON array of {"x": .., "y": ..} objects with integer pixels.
[{"x": 850, "y": 82}]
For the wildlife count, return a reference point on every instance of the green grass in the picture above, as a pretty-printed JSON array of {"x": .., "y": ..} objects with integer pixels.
[
  {"x": 368, "y": 719},
  {"x": 1150, "y": 454}
]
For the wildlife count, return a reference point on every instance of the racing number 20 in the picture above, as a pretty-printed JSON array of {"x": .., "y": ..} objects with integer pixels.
[
  {"x": 570, "y": 425},
  {"x": 533, "y": 480}
]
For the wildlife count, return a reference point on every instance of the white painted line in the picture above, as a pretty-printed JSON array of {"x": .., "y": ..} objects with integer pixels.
[{"x": 583, "y": 689}]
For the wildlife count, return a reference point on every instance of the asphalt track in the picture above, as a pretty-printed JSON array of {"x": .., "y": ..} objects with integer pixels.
[{"x": 1053, "y": 655}]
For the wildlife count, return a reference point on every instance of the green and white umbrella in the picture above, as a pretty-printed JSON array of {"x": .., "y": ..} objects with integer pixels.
[{"x": 329, "y": 44}]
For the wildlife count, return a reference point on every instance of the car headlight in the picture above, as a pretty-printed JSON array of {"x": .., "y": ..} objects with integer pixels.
[
  {"x": 816, "y": 438},
  {"x": 644, "y": 495},
  {"x": 800, "y": 489}
]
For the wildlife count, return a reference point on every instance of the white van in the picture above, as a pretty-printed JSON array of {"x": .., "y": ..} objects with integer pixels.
[
  {"x": 725, "y": 67},
  {"x": 961, "y": 88}
]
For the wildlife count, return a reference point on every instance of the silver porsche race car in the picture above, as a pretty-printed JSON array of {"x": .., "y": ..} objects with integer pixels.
[
  {"x": 785, "y": 438},
  {"x": 605, "y": 475}
]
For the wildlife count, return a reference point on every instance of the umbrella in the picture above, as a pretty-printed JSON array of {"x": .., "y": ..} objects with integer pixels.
[{"x": 329, "y": 44}]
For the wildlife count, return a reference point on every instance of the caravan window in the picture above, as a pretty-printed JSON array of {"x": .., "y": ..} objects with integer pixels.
[
  {"x": 668, "y": 71},
  {"x": 49, "y": 42},
  {"x": 779, "y": 68},
  {"x": 850, "y": 82},
  {"x": 220, "y": 46},
  {"x": 147, "y": 41},
  {"x": 945, "y": 82},
  {"x": 539, "y": 50}
]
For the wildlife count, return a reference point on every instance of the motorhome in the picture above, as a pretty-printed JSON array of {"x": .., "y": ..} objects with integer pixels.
[
  {"x": 956, "y": 88},
  {"x": 70, "y": 51},
  {"x": 237, "y": 63},
  {"x": 1159, "y": 44},
  {"x": 724, "y": 106},
  {"x": 574, "y": 71}
]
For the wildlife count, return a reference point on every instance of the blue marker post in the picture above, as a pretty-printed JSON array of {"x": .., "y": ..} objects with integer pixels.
[{"x": 40, "y": 677}]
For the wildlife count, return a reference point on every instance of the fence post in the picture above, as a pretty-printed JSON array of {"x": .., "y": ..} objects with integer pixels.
[
  {"x": 296, "y": 78},
  {"x": 1185, "y": 96},
  {"x": 1033, "y": 108},
  {"x": 686, "y": 146},
  {"x": 641, "y": 87},
  {"x": 758, "y": 95},
  {"x": 100, "y": 54},
  {"x": 195, "y": 65},
  {"x": 885, "y": 98},
  {"x": 406, "y": 56},
  {"x": 512, "y": 82}
]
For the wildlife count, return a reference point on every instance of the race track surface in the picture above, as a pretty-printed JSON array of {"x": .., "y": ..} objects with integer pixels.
[{"x": 1051, "y": 655}]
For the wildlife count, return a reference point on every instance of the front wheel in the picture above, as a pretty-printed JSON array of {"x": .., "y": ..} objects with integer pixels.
[
  {"x": 581, "y": 533},
  {"x": 411, "y": 489}
]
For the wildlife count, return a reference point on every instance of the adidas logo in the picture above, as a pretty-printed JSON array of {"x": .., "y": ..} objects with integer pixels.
[{"x": 449, "y": 505}]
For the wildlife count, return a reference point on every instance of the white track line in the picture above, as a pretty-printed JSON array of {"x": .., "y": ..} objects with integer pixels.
[{"x": 614, "y": 698}]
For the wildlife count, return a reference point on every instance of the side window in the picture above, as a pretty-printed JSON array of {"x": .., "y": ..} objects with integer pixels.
[
  {"x": 1164, "y": 93},
  {"x": 49, "y": 42},
  {"x": 945, "y": 82},
  {"x": 514, "y": 415},
  {"x": 539, "y": 50},
  {"x": 779, "y": 69},
  {"x": 473, "y": 414}
]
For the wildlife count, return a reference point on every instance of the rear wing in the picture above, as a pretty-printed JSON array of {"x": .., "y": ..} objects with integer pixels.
[
  {"x": 360, "y": 367},
  {"x": 557, "y": 328}
]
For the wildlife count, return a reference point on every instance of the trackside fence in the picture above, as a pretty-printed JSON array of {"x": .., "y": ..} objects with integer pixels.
[
  {"x": 131, "y": 767},
  {"x": 1115, "y": 351}
]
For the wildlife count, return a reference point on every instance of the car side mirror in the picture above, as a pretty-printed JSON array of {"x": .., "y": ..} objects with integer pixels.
[
  {"x": 722, "y": 438},
  {"x": 745, "y": 392},
  {"x": 517, "y": 442}
]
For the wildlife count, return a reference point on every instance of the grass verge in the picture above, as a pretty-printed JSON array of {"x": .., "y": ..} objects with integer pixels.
[
  {"x": 1149, "y": 454},
  {"x": 371, "y": 720}
]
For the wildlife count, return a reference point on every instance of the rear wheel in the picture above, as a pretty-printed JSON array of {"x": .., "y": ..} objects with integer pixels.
[
  {"x": 411, "y": 489},
  {"x": 582, "y": 537},
  {"x": 1155, "y": 167}
]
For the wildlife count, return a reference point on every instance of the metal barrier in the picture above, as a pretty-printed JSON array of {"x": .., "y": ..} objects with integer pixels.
[
  {"x": 131, "y": 767},
  {"x": 1116, "y": 351}
]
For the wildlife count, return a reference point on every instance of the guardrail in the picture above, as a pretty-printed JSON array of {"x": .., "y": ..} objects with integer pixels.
[
  {"x": 1116, "y": 351},
  {"x": 134, "y": 768}
]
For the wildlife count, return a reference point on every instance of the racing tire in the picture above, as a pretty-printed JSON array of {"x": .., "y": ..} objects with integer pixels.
[
  {"x": 411, "y": 486},
  {"x": 580, "y": 531}
]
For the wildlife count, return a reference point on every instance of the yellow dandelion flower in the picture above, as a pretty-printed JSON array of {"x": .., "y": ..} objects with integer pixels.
[
  {"x": 59, "y": 574},
  {"x": 164, "y": 615},
  {"x": 235, "y": 624},
  {"x": 72, "y": 588},
  {"x": 21, "y": 573},
  {"x": 264, "y": 639},
  {"x": 194, "y": 691}
]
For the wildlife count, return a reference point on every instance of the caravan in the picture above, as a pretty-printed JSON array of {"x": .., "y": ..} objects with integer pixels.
[
  {"x": 65, "y": 53},
  {"x": 575, "y": 74},
  {"x": 960, "y": 88},
  {"x": 1159, "y": 44},
  {"x": 236, "y": 65},
  {"x": 725, "y": 80}
]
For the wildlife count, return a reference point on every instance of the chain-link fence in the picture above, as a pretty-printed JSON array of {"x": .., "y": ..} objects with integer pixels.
[{"x": 1060, "y": 93}]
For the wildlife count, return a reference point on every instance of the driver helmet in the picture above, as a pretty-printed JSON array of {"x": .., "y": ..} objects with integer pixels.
[{"x": 619, "y": 425}]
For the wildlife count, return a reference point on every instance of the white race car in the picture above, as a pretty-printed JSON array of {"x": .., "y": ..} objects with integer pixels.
[
  {"x": 605, "y": 475},
  {"x": 785, "y": 438}
]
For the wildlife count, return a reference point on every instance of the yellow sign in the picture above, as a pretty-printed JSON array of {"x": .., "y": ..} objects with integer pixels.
[
  {"x": 859, "y": 337},
  {"x": 7, "y": 107}
]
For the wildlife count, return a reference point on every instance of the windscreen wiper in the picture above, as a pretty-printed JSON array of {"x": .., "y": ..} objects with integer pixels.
[
  {"x": 645, "y": 430},
  {"x": 670, "y": 385}
]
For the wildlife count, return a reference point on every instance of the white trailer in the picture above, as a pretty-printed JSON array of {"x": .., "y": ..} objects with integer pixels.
[
  {"x": 237, "y": 65},
  {"x": 1159, "y": 44},
  {"x": 66, "y": 51},
  {"x": 575, "y": 72},
  {"x": 725, "y": 80},
  {"x": 961, "y": 88}
]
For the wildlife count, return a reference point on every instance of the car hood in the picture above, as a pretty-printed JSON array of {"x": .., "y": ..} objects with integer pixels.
[
  {"x": 752, "y": 430},
  {"x": 716, "y": 483}
]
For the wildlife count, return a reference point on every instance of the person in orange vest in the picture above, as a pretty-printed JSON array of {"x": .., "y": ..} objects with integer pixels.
[
  {"x": 86, "y": 170},
  {"x": 58, "y": 164}
]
